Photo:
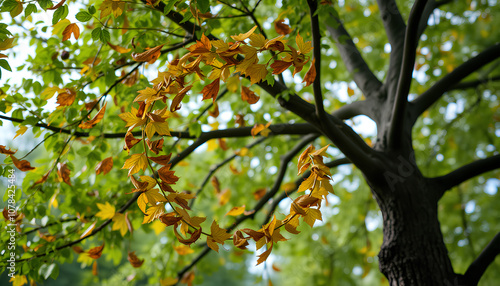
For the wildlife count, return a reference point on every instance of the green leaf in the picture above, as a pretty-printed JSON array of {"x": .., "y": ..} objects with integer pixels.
[
  {"x": 59, "y": 14},
  {"x": 8, "y": 5},
  {"x": 5, "y": 65},
  {"x": 203, "y": 5},
  {"x": 45, "y": 4},
  {"x": 105, "y": 36},
  {"x": 96, "y": 34},
  {"x": 92, "y": 10},
  {"x": 83, "y": 16},
  {"x": 31, "y": 8}
]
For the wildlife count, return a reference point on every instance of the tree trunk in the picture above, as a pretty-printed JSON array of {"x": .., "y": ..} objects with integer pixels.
[{"x": 413, "y": 251}]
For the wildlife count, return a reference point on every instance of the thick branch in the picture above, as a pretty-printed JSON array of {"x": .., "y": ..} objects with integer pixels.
[
  {"x": 433, "y": 94},
  {"x": 466, "y": 172},
  {"x": 353, "y": 60},
  {"x": 477, "y": 268},
  {"x": 405, "y": 77}
]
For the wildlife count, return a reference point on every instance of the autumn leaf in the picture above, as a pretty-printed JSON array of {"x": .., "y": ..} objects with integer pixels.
[
  {"x": 130, "y": 141},
  {"x": 22, "y": 129},
  {"x": 176, "y": 102},
  {"x": 217, "y": 236},
  {"x": 258, "y": 194},
  {"x": 280, "y": 66},
  {"x": 162, "y": 160},
  {"x": 135, "y": 163},
  {"x": 282, "y": 28},
  {"x": 134, "y": 261},
  {"x": 304, "y": 48},
  {"x": 63, "y": 173},
  {"x": 248, "y": 95},
  {"x": 236, "y": 211},
  {"x": 18, "y": 280},
  {"x": 106, "y": 211},
  {"x": 104, "y": 166},
  {"x": 149, "y": 56},
  {"x": 22, "y": 165},
  {"x": 311, "y": 74},
  {"x": 168, "y": 281},
  {"x": 211, "y": 90},
  {"x": 224, "y": 197},
  {"x": 192, "y": 238},
  {"x": 71, "y": 29},
  {"x": 4, "y": 150},
  {"x": 239, "y": 241},
  {"x": 119, "y": 49},
  {"x": 96, "y": 119},
  {"x": 120, "y": 223},
  {"x": 111, "y": 6},
  {"x": 183, "y": 250},
  {"x": 167, "y": 176},
  {"x": 350, "y": 91},
  {"x": 242, "y": 37},
  {"x": 262, "y": 129},
  {"x": 154, "y": 212},
  {"x": 66, "y": 98},
  {"x": 95, "y": 252},
  {"x": 57, "y": 5},
  {"x": 264, "y": 255}
]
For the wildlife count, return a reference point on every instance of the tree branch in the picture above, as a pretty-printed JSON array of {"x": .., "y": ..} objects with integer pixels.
[
  {"x": 473, "y": 83},
  {"x": 405, "y": 77},
  {"x": 479, "y": 266},
  {"x": 316, "y": 40},
  {"x": 465, "y": 173},
  {"x": 434, "y": 93},
  {"x": 364, "y": 78}
]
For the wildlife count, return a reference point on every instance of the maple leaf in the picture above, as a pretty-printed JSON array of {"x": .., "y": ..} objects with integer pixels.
[
  {"x": 130, "y": 141},
  {"x": 264, "y": 255},
  {"x": 248, "y": 95},
  {"x": 176, "y": 102},
  {"x": 162, "y": 160},
  {"x": 104, "y": 166},
  {"x": 71, "y": 29},
  {"x": 170, "y": 218},
  {"x": 155, "y": 146},
  {"x": 63, "y": 173},
  {"x": 95, "y": 252},
  {"x": 66, "y": 98},
  {"x": 149, "y": 56},
  {"x": 4, "y": 150},
  {"x": 304, "y": 48},
  {"x": 257, "y": 40},
  {"x": 239, "y": 241},
  {"x": 262, "y": 129},
  {"x": 311, "y": 74},
  {"x": 211, "y": 90},
  {"x": 280, "y": 66},
  {"x": 106, "y": 211},
  {"x": 282, "y": 28},
  {"x": 242, "y": 37},
  {"x": 112, "y": 6},
  {"x": 154, "y": 212},
  {"x": 188, "y": 241},
  {"x": 134, "y": 260},
  {"x": 119, "y": 49},
  {"x": 311, "y": 216},
  {"x": 18, "y": 280},
  {"x": 218, "y": 236},
  {"x": 120, "y": 223},
  {"x": 135, "y": 163},
  {"x": 167, "y": 176},
  {"x": 183, "y": 250},
  {"x": 96, "y": 119}
]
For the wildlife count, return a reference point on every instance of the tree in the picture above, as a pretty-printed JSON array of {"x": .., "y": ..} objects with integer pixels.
[{"x": 427, "y": 79}]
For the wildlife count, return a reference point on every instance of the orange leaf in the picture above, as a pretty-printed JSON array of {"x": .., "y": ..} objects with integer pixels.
[
  {"x": 6, "y": 151},
  {"x": 350, "y": 91},
  {"x": 280, "y": 66},
  {"x": 63, "y": 173},
  {"x": 130, "y": 141},
  {"x": 42, "y": 179},
  {"x": 276, "y": 268},
  {"x": 211, "y": 90},
  {"x": 162, "y": 160},
  {"x": 239, "y": 241},
  {"x": 258, "y": 194},
  {"x": 183, "y": 250},
  {"x": 132, "y": 258},
  {"x": 71, "y": 29},
  {"x": 95, "y": 252},
  {"x": 167, "y": 176},
  {"x": 66, "y": 98},
  {"x": 104, "y": 166},
  {"x": 176, "y": 102},
  {"x": 311, "y": 74},
  {"x": 155, "y": 146},
  {"x": 94, "y": 268},
  {"x": 224, "y": 197},
  {"x": 119, "y": 49},
  {"x": 216, "y": 184},
  {"x": 149, "y": 56},
  {"x": 98, "y": 117},
  {"x": 22, "y": 165},
  {"x": 242, "y": 37},
  {"x": 264, "y": 255},
  {"x": 193, "y": 238},
  {"x": 282, "y": 28},
  {"x": 248, "y": 95}
]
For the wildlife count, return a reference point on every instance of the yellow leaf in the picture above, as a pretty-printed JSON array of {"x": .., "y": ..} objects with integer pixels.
[
  {"x": 168, "y": 281},
  {"x": 7, "y": 44},
  {"x": 119, "y": 49},
  {"x": 154, "y": 212},
  {"x": 304, "y": 48},
  {"x": 158, "y": 227},
  {"x": 224, "y": 197},
  {"x": 49, "y": 92},
  {"x": 135, "y": 163},
  {"x": 60, "y": 26},
  {"x": 106, "y": 211},
  {"x": 183, "y": 249},
  {"x": 119, "y": 223},
  {"x": 242, "y": 37},
  {"x": 22, "y": 129},
  {"x": 350, "y": 91},
  {"x": 236, "y": 211},
  {"x": 233, "y": 83},
  {"x": 18, "y": 280}
]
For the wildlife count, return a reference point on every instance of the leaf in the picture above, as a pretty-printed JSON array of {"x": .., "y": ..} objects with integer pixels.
[
  {"x": 22, "y": 129},
  {"x": 149, "y": 56},
  {"x": 104, "y": 166},
  {"x": 169, "y": 281},
  {"x": 154, "y": 212},
  {"x": 262, "y": 129},
  {"x": 83, "y": 16},
  {"x": 256, "y": 72},
  {"x": 134, "y": 261},
  {"x": 120, "y": 223},
  {"x": 162, "y": 160},
  {"x": 22, "y": 165},
  {"x": 135, "y": 163},
  {"x": 66, "y": 98},
  {"x": 248, "y": 95},
  {"x": 224, "y": 197},
  {"x": 242, "y": 37},
  {"x": 350, "y": 91},
  {"x": 211, "y": 90},
  {"x": 183, "y": 250},
  {"x": 239, "y": 241},
  {"x": 71, "y": 29},
  {"x": 96, "y": 119},
  {"x": 4, "y": 150},
  {"x": 63, "y": 173},
  {"x": 258, "y": 194},
  {"x": 280, "y": 66},
  {"x": 119, "y": 49},
  {"x": 192, "y": 239},
  {"x": 167, "y": 176},
  {"x": 304, "y": 48},
  {"x": 236, "y": 211},
  {"x": 89, "y": 230},
  {"x": 106, "y": 211},
  {"x": 311, "y": 74},
  {"x": 95, "y": 252},
  {"x": 282, "y": 28},
  {"x": 264, "y": 255}
]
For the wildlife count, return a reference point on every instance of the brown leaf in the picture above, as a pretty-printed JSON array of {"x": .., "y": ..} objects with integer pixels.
[
  {"x": 311, "y": 74},
  {"x": 167, "y": 176},
  {"x": 248, "y": 95},
  {"x": 155, "y": 146},
  {"x": 176, "y": 102},
  {"x": 149, "y": 56},
  {"x": 282, "y": 28},
  {"x": 188, "y": 278},
  {"x": 280, "y": 66},
  {"x": 214, "y": 113},
  {"x": 216, "y": 184},
  {"x": 258, "y": 194},
  {"x": 91, "y": 105},
  {"x": 98, "y": 117},
  {"x": 77, "y": 249},
  {"x": 132, "y": 258},
  {"x": 211, "y": 90},
  {"x": 6, "y": 151},
  {"x": 95, "y": 252},
  {"x": 162, "y": 160},
  {"x": 63, "y": 173},
  {"x": 104, "y": 166},
  {"x": 170, "y": 219},
  {"x": 119, "y": 49},
  {"x": 42, "y": 179},
  {"x": 66, "y": 98},
  {"x": 239, "y": 241},
  {"x": 188, "y": 241},
  {"x": 22, "y": 165},
  {"x": 130, "y": 141},
  {"x": 71, "y": 29}
]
